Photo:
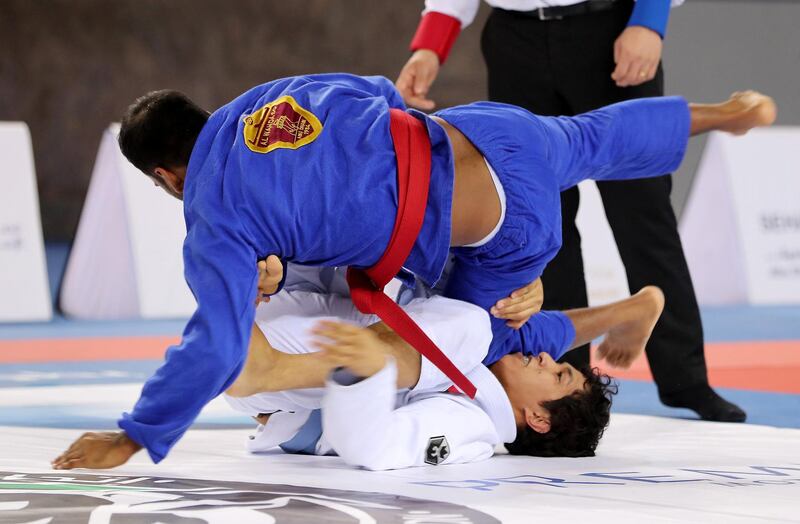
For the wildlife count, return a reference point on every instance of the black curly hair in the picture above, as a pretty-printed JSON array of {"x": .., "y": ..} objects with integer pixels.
[
  {"x": 159, "y": 130},
  {"x": 577, "y": 421}
]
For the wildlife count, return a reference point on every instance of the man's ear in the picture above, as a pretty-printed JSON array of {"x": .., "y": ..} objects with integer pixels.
[
  {"x": 538, "y": 419},
  {"x": 171, "y": 179}
]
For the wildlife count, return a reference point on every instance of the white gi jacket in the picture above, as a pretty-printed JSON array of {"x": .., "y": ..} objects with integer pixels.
[
  {"x": 465, "y": 10},
  {"x": 371, "y": 423}
]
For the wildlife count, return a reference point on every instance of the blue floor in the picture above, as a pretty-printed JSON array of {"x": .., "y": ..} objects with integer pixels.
[
  {"x": 741, "y": 323},
  {"x": 774, "y": 409},
  {"x": 76, "y": 373},
  {"x": 721, "y": 324},
  {"x": 771, "y": 409}
]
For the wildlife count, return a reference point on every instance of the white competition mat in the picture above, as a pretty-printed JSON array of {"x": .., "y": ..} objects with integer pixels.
[{"x": 647, "y": 470}]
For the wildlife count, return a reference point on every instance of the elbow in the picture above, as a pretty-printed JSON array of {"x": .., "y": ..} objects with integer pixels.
[{"x": 372, "y": 455}]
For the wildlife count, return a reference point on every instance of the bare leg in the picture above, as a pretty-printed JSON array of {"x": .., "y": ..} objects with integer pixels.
[
  {"x": 254, "y": 376},
  {"x": 743, "y": 111},
  {"x": 627, "y": 325},
  {"x": 473, "y": 218},
  {"x": 268, "y": 369}
]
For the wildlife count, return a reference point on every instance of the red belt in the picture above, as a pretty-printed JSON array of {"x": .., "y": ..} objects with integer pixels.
[{"x": 366, "y": 285}]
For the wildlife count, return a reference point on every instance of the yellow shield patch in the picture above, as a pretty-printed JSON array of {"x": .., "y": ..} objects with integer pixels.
[{"x": 281, "y": 124}]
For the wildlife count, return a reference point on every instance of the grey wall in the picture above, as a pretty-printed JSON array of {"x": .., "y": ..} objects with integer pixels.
[
  {"x": 715, "y": 47},
  {"x": 69, "y": 67}
]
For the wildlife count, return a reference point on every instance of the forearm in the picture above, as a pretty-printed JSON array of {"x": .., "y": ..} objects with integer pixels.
[
  {"x": 268, "y": 370},
  {"x": 548, "y": 332},
  {"x": 407, "y": 359},
  {"x": 295, "y": 372},
  {"x": 441, "y": 23},
  {"x": 591, "y": 323},
  {"x": 309, "y": 371},
  {"x": 191, "y": 376},
  {"x": 437, "y": 32},
  {"x": 652, "y": 14}
]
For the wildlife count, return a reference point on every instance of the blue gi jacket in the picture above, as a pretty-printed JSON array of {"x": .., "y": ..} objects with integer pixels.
[{"x": 310, "y": 178}]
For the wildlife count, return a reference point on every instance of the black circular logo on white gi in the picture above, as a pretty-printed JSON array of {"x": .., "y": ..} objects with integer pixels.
[
  {"x": 83, "y": 498},
  {"x": 437, "y": 451}
]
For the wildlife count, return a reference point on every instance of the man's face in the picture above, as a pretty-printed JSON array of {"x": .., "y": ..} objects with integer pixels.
[{"x": 530, "y": 381}]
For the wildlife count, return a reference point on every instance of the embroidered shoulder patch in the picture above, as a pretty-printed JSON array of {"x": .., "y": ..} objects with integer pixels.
[
  {"x": 281, "y": 124},
  {"x": 437, "y": 451}
]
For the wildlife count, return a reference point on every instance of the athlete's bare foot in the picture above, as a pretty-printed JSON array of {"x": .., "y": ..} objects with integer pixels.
[
  {"x": 743, "y": 111},
  {"x": 626, "y": 341},
  {"x": 749, "y": 109}
]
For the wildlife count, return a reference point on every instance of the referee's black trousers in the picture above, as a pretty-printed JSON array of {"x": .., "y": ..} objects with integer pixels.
[{"x": 563, "y": 67}]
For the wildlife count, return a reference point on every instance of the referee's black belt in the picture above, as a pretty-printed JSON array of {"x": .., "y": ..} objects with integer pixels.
[{"x": 557, "y": 12}]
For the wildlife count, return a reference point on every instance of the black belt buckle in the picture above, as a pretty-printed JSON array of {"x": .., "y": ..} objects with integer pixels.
[{"x": 543, "y": 16}]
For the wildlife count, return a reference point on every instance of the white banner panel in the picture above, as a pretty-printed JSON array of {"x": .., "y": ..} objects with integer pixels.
[
  {"x": 741, "y": 226},
  {"x": 126, "y": 260},
  {"x": 24, "y": 288},
  {"x": 605, "y": 274}
]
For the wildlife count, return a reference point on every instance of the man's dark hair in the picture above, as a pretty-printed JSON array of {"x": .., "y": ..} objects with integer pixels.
[
  {"x": 160, "y": 129},
  {"x": 577, "y": 421}
]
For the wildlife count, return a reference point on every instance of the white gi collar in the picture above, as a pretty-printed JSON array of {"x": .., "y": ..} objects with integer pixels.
[{"x": 493, "y": 400}]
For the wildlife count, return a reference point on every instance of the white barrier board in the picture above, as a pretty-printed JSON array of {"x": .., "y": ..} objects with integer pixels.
[
  {"x": 741, "y": 226},
  {"x": 126, "y": 261},
  {"x": 605, "y": 274},
  {"x": 24, "y": 288}
]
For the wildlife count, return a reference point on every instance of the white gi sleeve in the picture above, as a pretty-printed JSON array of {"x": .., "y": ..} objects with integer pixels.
[
  {"x": 361, "y": 424},
  {"x": 281, "y": 426},
  {"x": 463, "y": 10}
]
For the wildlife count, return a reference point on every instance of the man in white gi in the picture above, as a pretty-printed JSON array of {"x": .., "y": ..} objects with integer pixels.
[{"x": 383, "y": 407}]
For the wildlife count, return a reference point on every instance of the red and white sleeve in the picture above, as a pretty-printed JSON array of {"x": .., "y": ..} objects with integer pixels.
[{"x": 441, "y": 23}]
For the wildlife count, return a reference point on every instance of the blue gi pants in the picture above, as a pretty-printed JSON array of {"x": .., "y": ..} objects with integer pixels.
[{"x": 536, "y": 158}]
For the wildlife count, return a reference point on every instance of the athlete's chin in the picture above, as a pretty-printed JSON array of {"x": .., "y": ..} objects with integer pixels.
[{"x": 507, "y": 364}]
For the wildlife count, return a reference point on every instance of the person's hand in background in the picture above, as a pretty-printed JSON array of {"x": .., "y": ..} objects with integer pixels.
[
  {"x": 416, "y": 78},
  {"x": 637, "y": 53}
]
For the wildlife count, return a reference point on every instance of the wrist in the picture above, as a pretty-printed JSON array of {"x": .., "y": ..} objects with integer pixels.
[
  {"x": 644, "y": 29},
  {"x": 436, "y": 32},
  {"x": 128, "y": 443},
  {"x": 427, "y": 55},
  {"x": 346, "y": 377},
  {"x": 377, "y": 353},
  {"x": 380, "y": 363},
  {"x": 652, "y": 14},
  {"x": 371, "y": 368}
]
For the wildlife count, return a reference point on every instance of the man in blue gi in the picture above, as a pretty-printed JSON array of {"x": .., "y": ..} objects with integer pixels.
[{"x": 306, "y": 168}]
